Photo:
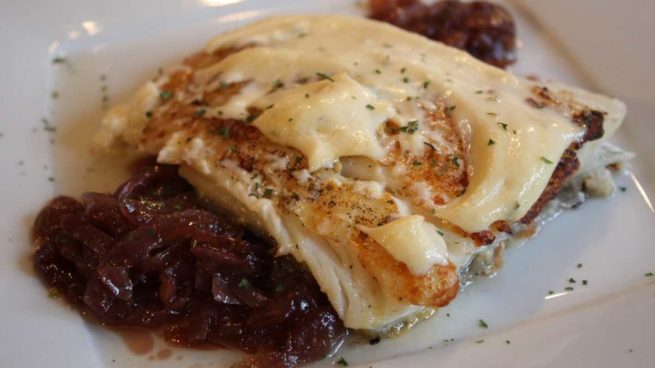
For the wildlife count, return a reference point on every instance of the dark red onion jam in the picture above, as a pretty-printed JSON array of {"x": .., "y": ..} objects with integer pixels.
[
  {"x": 152, "y": 255},
  {"x": 483, "y": 29}
]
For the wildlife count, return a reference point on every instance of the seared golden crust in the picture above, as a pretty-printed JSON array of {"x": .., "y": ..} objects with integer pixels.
[
  {"x": 436, "y": 288},
  {"x": 566, "y": 167}
]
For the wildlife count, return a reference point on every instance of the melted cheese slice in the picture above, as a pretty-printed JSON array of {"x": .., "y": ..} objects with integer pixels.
[
  {"x": 358, "y": 73},
  {"x": 412, "y": 241},
  {"x": 308, "y": 119}
]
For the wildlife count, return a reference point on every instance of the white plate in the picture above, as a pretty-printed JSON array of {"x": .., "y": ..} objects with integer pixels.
[{"x": 593, "y": 43}]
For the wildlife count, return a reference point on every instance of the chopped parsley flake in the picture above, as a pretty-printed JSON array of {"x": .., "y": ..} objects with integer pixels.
[
  {"x": 417, "y": 163},
  {"x": 491, "y": 142},
  {"x": 370, "y": 107},
  {"x": 166, "y": 95},
  {"x": 268, "y": 193},
  {"x": 277, "y": 84},
  {"x": 323, "y": 76},
  {"x": 47, "y": 127},
  {"x": 550, "y": 292},
  {"x": 302, "y": 35},
  {"x": 579, "y": 265},
  {"x": 306, "y": 95},
  {"x": 517, "y": 205},
  {"x": 233, "y": 148},
  {"x": 224, "y": 84},
  {"x": 440, "y": 232},
  {"x": 411, "y": 127},
  {"x": 623, "y": 189},
  {"x": 53, "y": 293},
  {"x": 201, "y": 112},
  {"x": 342, "y": 361},
  {"x": 54, "y": 94},
  {"x": 225, "y": 132},
  {"x": 585, "y": 282},
  {"x": 403, "y": 70},
  {"x": 648, "y": 274},
  {"x": 59, "y": 60},
  {"x": 568, "y": 288},
  {"x": 546, "y": 160},
  {"x": 482, "y": 324},
  {"x": 290, "y": 119},
  {"x": 148, "y": 114},
  {"x": 377, "y": 71},
  {"x": 491, "y": 113},
  {"x": 479, "y": 92},
  {"x": 503, "y": 125},
  {"x": 479, "y": 341},
  {"x": 426, "y": 84},
  {"x": 244, "y": 283},
  {"x": 455, "y": 161},
  {"x": 507, "y": 342},
  {"x": 572, "y": 280},
  {"x": 250, "y": 118},
  {"x": 405, "y": 80}
]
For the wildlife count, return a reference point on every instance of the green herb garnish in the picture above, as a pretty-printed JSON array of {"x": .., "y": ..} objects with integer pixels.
[
  {"x": 411, "y": 127},
  {"x": 225, "y": 132},
  {"x": 323, "y": 76},
  {"x": 546, "y": 160},
  {"x": 482, "y": 324},
  {"x": 166, "y": 95}
]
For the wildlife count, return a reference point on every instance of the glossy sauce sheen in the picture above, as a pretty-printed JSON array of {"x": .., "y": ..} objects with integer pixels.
[{"x": 151, "y": 255}]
